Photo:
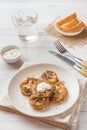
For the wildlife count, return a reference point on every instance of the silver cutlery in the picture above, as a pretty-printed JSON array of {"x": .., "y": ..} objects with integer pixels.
[
  {"x": 64, "y": 52},
  {"x": 71, "y": 62}
]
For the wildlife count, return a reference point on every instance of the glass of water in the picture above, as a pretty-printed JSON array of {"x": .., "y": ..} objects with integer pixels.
[{"x": 26, "y": 23}]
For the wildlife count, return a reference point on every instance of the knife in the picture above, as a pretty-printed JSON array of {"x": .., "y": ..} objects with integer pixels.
[{"x": 71, "y": 62}]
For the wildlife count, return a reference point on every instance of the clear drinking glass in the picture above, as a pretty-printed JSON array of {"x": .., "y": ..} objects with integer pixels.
[{"x": 26, "y": 24}]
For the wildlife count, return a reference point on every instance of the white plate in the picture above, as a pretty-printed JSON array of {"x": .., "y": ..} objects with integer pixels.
[
  {"x": 68, "y": 34},
  {"x": 20, "y": 102}
]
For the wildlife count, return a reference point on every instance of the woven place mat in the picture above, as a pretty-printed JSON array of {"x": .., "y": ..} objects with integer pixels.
[
  {"x": 67, "y": 120},
  {"x": 70, "y": 41}
]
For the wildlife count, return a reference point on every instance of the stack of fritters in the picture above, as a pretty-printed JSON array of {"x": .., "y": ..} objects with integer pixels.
[{"x": 55, "y": 93}]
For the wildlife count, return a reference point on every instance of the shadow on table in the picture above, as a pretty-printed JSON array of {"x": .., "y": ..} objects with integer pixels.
[{"x": 17, "y": 64}]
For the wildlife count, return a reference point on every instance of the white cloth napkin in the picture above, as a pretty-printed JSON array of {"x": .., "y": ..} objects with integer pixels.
[{"x": 67, "y": 120}]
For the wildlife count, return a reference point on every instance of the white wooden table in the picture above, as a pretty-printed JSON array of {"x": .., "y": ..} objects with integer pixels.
[{"x": 47, "y": 10}]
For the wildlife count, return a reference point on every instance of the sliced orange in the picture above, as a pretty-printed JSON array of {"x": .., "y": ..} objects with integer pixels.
[
  {"x": 80, "y": 25},
  {"x": 69, "y": 25},
  {"x": 66, "y": 19}
]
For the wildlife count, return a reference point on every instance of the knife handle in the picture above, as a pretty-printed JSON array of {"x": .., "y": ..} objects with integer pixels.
[
  {"x": 84, "y": 64},
  {"x": 81, "y": 70},
  {"x": 81, "y": 62}
]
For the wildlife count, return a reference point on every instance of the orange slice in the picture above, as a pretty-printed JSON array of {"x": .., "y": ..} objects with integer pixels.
[
  {"x": 80, "y": 25},
  {"x": 66, "y": 19},
  {"x": 69, "y": 25}
]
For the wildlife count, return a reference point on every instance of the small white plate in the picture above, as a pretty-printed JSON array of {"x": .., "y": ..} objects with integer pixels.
[
  {"x": 20, "y": 102},
  {"x": 68, "y": 34}
]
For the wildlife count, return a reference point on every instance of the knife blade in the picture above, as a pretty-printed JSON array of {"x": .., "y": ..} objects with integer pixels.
[{"x": 70, "y": 62}]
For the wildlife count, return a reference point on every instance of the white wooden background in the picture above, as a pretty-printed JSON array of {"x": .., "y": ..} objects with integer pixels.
[{"x": 47, "y": 11}]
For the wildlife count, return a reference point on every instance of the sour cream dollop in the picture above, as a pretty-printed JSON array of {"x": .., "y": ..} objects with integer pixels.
[{"x": 43, "y": 86}]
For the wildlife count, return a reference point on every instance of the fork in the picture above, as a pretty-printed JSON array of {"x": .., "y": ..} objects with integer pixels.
[{"x": 64, "y": 52}]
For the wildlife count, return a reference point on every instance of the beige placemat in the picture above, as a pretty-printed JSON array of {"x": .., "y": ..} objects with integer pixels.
[
  {"x": 67, "y": 120},
  {"x": 80, "y": 39}
]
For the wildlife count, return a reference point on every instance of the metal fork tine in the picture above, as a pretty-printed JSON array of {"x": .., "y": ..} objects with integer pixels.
[{"x": 59, "y": 46}]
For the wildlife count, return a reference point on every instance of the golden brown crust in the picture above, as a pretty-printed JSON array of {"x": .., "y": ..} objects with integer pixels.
[
  {"x": 39, "y": 103},
  {"x": 26, "y": 86},
  {"x": 49, "y": 76},
  {"x": 60, "y": 93},
  {"x": 46, "y": 93}
]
